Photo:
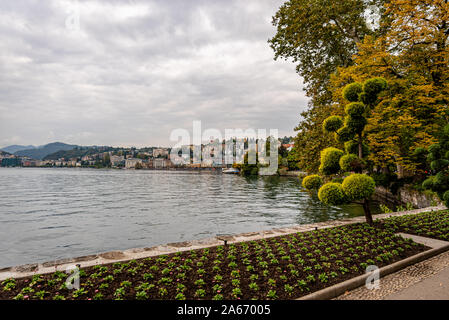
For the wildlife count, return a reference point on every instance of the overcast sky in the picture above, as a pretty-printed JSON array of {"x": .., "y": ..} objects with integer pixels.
[{"x": 132, "y": 71}]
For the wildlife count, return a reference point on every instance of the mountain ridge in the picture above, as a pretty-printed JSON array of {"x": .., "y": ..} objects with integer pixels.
[
  {"x": 41, "y": 152},
  {"x": 16, "y": 148}
]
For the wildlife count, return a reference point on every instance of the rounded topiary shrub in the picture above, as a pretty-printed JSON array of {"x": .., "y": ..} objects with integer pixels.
[
  {"x": 344, "y": 134},
  {"x": 355, "y": 109},
  {"x": 332, "y": 194},
  {"x": 312, "y": 182},
  {"x": 330, "y": 159},
  {"x": 352, "y": 91},
  {"x": 355, "y": 124},
  {"x": 351, "y": 162},
  {"x": 439, "y": 164},
  {"x": 435, "y": 150},
  {"x": 332, "y": 124},
  {"x": 441, "y": 182},
  {"x": 358, "y": 187},
  {"x": 372, "y": 88},
  {"x": 428, "y": 183}
]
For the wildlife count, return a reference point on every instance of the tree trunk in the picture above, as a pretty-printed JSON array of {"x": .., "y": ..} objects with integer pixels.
[
  {"x": 368, "y": 216},
  {"x": 360, "y": 146}
]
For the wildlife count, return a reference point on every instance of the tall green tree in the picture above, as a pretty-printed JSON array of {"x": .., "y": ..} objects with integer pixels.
[
  {"x": 319, "y": 36},
  {"x": 413, "y": 55},
  {"x": 358, "y": 187}
]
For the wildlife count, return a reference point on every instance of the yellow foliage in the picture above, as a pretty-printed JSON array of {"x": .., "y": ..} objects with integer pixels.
[{"x": 413, "y": 56}]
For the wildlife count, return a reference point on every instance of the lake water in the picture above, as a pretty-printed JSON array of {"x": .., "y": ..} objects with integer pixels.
[{"x": 51, "y": 213}]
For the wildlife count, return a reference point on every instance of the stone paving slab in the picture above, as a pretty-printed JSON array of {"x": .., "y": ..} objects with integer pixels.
[
  {"x": 139, "y": 253},
  {"x": 435, "y": 287},
  {"x": 428, "y": 279},
  {"x": 428, "y": 242}
]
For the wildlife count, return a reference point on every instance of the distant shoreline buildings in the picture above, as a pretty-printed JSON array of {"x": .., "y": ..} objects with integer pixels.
[{"x": 131, "y": 158}]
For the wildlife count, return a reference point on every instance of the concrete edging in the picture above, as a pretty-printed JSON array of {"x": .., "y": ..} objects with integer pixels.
[{"x": 354, "y": 283}]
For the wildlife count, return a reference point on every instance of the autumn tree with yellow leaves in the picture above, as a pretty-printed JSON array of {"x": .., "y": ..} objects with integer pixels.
[{"x": 409, "y": 48}]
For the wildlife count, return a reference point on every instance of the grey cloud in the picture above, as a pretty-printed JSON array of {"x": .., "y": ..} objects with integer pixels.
[{"x": 136, "y": 70}]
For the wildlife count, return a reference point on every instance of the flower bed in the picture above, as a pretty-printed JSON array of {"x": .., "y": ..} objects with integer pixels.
[
  {"x": 285, "y": 267},
  {"x": 429, "y": 224}
]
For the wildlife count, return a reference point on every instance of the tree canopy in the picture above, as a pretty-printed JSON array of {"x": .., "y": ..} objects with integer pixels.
[{"x": 335, "y": 43}]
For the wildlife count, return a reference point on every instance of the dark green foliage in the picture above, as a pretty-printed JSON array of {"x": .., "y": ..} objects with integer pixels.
[
  {"x": 344, "y": 134},
  {"x": 332, "y": 124},
  {"x": 446, "y": 196},
  {"x": 419, "y": 156},
  {"x": 435, "y": 151},
  {"x": 428, "y": 183},
  {"x": 371, "y": 89},
  {"x": 439, "y": 163},
  {"x": 384, "y": 179},
  {"x": 355, "y": 109},
  {"x": 355, "y": 124},
  {"x": 248, "y": 169},
  {"x": 352, "y": 91},
  {"x": 330, "y": 159},
  {"x": 351, "y": 162},
  {"x": 441, "y": 181}
]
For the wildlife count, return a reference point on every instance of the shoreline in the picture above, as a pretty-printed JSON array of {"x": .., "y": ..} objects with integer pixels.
[{"x": 27, "y": 270}]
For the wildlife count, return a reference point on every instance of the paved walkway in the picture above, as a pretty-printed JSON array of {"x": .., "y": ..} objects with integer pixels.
[{"x": 427, "y": 280}]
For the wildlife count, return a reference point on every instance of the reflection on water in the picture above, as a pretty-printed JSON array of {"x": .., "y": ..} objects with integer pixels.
[{"x": 48, "y": 214}]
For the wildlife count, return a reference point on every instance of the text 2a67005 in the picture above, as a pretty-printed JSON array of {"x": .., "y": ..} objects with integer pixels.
[{"x": 245, "y": 309}]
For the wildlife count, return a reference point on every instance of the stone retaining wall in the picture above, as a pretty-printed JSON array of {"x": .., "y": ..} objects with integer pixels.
[{"x": 406, "y": 195}]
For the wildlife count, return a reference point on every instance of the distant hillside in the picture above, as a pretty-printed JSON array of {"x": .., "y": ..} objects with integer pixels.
[
  {"x": 41, "y": 152},
  {"x": 15, "y": 148},
  {"x": 3, "y": 153},
  {"x": 77, "y": 152}
]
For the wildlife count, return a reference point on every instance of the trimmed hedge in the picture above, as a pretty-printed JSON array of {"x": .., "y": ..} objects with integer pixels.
[
  {"x": 330, "y": 161},
  {"x": 352, "y": 91},
  {"x": 355, "y": 124},
  {"x": 355, "y": 109},
  {"x": 344, "y": 134},
  {"x": 332, "y": 124},
  {"x": 331, "y": 194},
  {"x": 358, "y": 187},
  {"x": 371, "y": 89},
  {"x": 313, "y": 182}
]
